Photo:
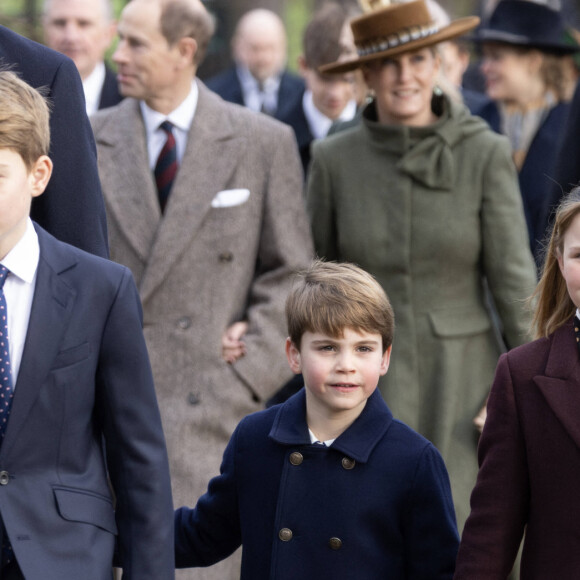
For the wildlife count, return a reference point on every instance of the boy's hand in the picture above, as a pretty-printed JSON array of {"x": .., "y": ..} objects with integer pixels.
[
  {"x": 233, "y": 347},
  {"x": 479, "y": 420}
]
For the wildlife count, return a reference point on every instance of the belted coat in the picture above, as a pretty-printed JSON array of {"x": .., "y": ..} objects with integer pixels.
[{"x": 432, "y": 212}]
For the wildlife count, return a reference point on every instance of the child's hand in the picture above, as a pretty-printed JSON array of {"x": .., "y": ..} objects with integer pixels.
[
  {"x": 233, "y": 347},
  {"x": 479, "y": 420}
]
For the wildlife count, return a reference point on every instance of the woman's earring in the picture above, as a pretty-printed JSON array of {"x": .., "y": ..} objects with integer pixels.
[{"x": 437, "y": 91}]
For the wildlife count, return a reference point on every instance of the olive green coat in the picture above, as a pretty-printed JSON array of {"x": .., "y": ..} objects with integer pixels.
[{"x": 430, "y": 212}]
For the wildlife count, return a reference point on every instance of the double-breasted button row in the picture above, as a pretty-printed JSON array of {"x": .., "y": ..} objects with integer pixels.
[
  {"x": 296, "y": 458},
  {"x": 4, "y": 478},
  {"x": 285, "y": 534}
]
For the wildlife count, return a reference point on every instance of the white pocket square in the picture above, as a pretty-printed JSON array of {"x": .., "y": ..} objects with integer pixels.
[{"x": 230, "y": 197}]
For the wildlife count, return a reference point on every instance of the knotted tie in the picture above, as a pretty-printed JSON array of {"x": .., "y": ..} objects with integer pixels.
[
  {"x": 166, "y": 166},
  {"x": 6, "y": 391}
]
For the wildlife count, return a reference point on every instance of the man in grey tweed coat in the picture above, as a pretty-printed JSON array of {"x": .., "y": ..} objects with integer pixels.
[{"x": 223, "y": 250}]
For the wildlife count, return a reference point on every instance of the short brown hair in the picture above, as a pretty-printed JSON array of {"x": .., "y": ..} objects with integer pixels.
[
  {"x": 322, "y": 37},
  {"x": 554, "y": 307},
  {"x": 187, "y": 19},
  {"x": 24, "y": 119},
  {"x": 329, "y": 297}
]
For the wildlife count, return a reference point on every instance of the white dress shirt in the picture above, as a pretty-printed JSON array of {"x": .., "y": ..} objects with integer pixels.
[
  {"x": 259, "y": 98},
  {"x": 93, "y": 87},
  {"x": 181, "y": 119},
  {"x": 320, "y": 124},
  {"x": 314, "y": 439},
  {"x": 22, "y": 261}
]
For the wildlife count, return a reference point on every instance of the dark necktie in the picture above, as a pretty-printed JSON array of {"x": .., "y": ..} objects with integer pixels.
[
  {"x": 6, "y": 391},
  {"x": 166, "y": 166}
]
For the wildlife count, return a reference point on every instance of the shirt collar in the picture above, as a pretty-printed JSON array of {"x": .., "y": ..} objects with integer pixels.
[
  {"x": 357, "y": 442},
  {"x": 22, "y": 260},
  {"x": 250, "y": 83},
  {"x": 93, "y": 87},
  {"x": 181, "y": 117},
  {"x": 320, "y": 124}
]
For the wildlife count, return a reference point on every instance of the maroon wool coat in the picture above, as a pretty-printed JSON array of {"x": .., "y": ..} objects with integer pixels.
[{"x": 529, "y": 456}]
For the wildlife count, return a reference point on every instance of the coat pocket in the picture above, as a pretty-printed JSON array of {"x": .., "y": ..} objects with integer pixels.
[
  {"x": 464, "y": 322},
  {"x": 78, "y": 505}
]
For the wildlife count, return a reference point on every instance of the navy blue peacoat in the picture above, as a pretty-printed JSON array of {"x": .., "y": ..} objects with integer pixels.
[{"x": 376, "y": 504}]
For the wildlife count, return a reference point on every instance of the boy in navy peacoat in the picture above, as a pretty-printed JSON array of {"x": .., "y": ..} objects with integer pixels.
[{"x": 328, "y": 484}]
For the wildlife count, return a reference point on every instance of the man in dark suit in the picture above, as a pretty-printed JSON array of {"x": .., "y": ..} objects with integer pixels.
[
  {"x": 71, "y": 208},
  {"x": 84, "y": 30},
  {"x": 82, "y": 456},
  {"x": 259, "y": 80}
]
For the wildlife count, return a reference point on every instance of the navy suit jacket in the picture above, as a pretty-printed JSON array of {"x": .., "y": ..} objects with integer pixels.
[
  {"x": 110, "y": 95},
  {"x": 84, "y": 412},
  {"x": 72, "y": 207},
  {"x": 227, "y": 86},
  {"x": 376, "y": 504},
  {"x": 296, "y": 118}
]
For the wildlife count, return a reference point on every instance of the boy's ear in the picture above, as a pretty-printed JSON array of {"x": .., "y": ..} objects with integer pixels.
[
  {"x": 40, "y": 175},
  {"x": 385, "y": 361},
  {"x": 293, "y": 356}
]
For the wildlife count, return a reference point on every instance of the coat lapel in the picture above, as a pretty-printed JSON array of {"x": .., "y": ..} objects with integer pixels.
[
  {"x": 198, "y": 181},
  {"x": 561, "y": 384},
  {"x": 132, "y": 200},
  {"x": 49, "y": 317}
]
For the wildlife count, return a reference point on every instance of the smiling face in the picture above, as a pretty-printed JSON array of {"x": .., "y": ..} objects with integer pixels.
[
  {"x": 340, "y": 374},
  {"x": 569, "y": 260},
  {"x": 403, "y": 86}
]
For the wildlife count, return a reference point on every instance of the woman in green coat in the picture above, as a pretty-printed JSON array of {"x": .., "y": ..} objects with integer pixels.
[{"x": 425, "y": 197}]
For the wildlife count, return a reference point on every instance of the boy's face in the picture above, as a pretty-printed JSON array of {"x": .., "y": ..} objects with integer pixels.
[
  {"x": 18, "y": 186},
  {"x": 340, "y": 374}
]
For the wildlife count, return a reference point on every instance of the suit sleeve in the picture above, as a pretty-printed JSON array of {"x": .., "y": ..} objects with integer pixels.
[
  {"x": 211, "y": 531},
  {"x": 72, "y": 207},
  {"x": 285, "y": 248},
  {"x": 507, "y": 261},
  {"x": 320, "y": 205},
  {"x": 500, "y": 499},
  {"x": 134, "y": 442},
  {"x": 431, "y": 531}
]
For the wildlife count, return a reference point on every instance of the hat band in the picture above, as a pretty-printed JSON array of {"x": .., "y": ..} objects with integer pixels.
[{"x": 405, "y": 36}]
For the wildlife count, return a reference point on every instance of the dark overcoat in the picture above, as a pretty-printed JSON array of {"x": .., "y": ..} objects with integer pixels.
[
  {"x": 375, "y": 504},
  {"x": 530, "y": 467}
]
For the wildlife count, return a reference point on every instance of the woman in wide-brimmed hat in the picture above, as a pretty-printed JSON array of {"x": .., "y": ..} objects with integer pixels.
[
  {"x": 425, "y": 197},
  {"x": 523, "y": 47}
]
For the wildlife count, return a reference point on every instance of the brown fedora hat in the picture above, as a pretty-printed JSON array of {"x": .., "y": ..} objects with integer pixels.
[{"x": 396, "y": 29}]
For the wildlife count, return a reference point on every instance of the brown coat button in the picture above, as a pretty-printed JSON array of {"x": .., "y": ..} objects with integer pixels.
[
  {"x": 285, "y": 534},
  {"x": 226, "y": 257},
  {"x": 348, "y": 463},
  {"x": 296, "y": 458},
  {"x": 335, "y": 543}
]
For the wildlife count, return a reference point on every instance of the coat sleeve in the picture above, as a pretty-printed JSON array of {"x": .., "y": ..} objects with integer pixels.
[
  {"x": 72, "y": 207},
  {"x": 507, "y": 261},
  {"x": 285, "y": 247},
  {"x": 500, "y": 499},
  {"x": 134, "y": 442},
  {"x": 431, "y": 531},
  {"x": 320, "y": 205},
  {"x": 211, "y": 531}
]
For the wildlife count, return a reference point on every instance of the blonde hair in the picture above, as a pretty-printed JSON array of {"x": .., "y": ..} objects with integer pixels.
[
  {"x": 328, "y": 297},
  {"x": 554, "y": 306},
  {"x": 24, "y": 119}
]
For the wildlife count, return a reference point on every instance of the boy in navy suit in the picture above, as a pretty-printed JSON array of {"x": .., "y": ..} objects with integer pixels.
[
  {"x": 328, "y": 484},
  {"x": 79, "y": 422}
]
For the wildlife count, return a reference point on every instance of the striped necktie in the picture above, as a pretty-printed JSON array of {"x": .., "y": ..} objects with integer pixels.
[{"x": 166, "y": 166}]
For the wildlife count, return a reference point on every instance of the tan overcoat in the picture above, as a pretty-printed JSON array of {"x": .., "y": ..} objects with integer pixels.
[{"x": 204, "y": 265}]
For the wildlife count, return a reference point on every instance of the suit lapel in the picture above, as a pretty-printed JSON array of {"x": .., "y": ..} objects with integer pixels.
[
  {"x": 49, "y": 318},
  {"x": 198, "y": 181},
  {"x": 132, "y": 198},
  {"x": 561, "y": 384}
]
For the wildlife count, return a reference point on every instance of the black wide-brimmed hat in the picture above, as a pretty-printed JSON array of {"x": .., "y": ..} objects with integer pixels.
[
  {"x": 396, "y": 29},
  {"x": 526, "y": 23}
]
